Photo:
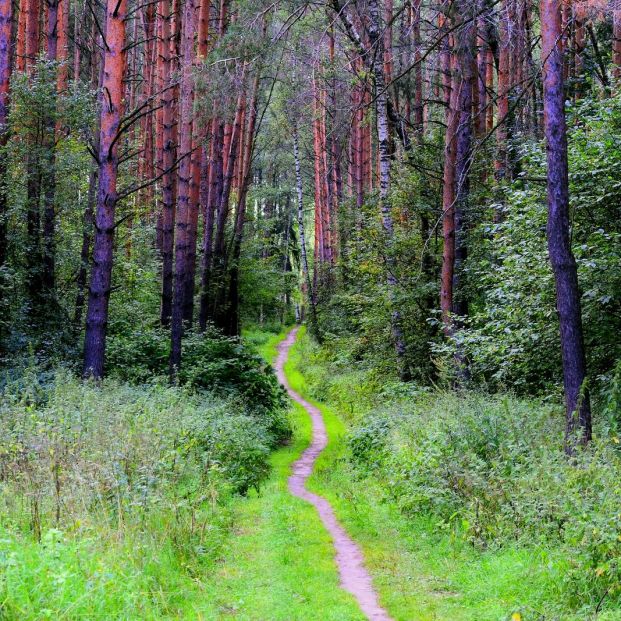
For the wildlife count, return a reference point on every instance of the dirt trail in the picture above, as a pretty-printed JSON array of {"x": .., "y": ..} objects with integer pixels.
[{"x": 349, "y": 558}]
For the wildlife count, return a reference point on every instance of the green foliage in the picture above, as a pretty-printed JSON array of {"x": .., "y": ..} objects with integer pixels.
[
  {"x": 115, "y": 498},
  {"x": 510, "y": 339},
  {"x": 488, "y": 473},
  {"x": 493, "y": 472},
  {"x": 210, "y": 362}
]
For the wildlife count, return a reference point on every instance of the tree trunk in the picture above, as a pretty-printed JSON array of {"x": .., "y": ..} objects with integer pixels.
[
  {"x": 33, "y": 169},
  {"x": 466, "y": 71},
  {"x": 419, "y": 120},
  {"x": 168, "y": 160},
  {"x": 302, "y": 234},
  {"x": 229, "y": 157},
  {"x": 504, "y": 81},
  {"x": 20, "y": 39},
  {"x": 32, "y": 32},
  {"x": 385, "y": 156},
  {"x": 448, "y": 206},
  {"x": 198, "y": 135},
  {"x": 49, "y": 178},
  {"x": 85, "y": 251},
  {"x": 62, "y": 80},
  {"x": 212, "y": 193},
  {"x": 578, "y": 407},
  {"x": 110, "y": 118},
  {"x": 233, "y": 327},
  {"x": 616, "y": 44},
  {"x": 183, "y": 215}
]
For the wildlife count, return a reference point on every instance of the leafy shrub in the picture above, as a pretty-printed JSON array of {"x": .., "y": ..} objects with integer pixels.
[
  {"x": 113, "y": 497},
  {"x": 210, "y": 362},
  {"x": 492, "y": 470}
]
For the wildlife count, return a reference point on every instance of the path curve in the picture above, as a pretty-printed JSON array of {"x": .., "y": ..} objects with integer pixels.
[{"x": 354, "y": 576}]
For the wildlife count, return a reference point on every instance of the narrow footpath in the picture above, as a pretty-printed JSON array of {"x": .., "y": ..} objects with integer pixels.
[{"x": 349, "y": 558}]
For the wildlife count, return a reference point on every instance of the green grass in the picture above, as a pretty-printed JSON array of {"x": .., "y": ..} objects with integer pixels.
[
  {"x": 420, "y": 571},
  {"x": 264, "y": 557},
  {"x": 279, "y": 564},
  {"x": 265, "y": 343}
]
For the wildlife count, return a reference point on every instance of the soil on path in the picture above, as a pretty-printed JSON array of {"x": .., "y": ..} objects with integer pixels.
[{"x": 354, "y": 576}]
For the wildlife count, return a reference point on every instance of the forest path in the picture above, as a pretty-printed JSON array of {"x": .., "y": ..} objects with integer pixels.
[{"x": 349, "y": 558}]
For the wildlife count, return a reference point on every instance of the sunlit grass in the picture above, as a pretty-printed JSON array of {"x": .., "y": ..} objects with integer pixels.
[{"x": 421, "y": 571}]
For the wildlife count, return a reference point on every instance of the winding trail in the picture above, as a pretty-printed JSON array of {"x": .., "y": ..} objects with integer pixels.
[{"x": 349, "y": 558}]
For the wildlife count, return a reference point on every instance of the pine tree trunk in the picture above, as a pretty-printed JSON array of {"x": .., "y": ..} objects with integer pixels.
[
  {"x": 33, "y": 9},
  {"x": 198, "y": 135},
  {"x": 448, "y": 205},
  {"x": 220, "y": 267},
  {"x": 212, "y": 194},
  {"x": 233, "y": 327},
  {"x": 49, "y": 177},
  {"x": 6, "y": 27},
  {"x": 578, "y": 407},
  {"x": 33, "y": 169},
  {"x": 504, "y": 81},
  {"x": 103, "y": 247},
  {"x": 465, "y": 38},
  {"x": 20, "y": 39},
  {"x": 168, "y": 160},
  {"x": 62, "y": 80},
  {"x": 183, "y": 214}
]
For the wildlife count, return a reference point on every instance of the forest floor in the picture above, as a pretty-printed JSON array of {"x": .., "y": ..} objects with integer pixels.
[
  {"x": 281, "y": 564},
  {"x": 349, "y": 558}
]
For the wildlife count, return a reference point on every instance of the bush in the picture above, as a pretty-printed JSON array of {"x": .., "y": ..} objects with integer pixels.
[
  {"x": 210, "y": 362},
  {"x": 493, "y": 472},
  {"x": 113, "y": 498}
]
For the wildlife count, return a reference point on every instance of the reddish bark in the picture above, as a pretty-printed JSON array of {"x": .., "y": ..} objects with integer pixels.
[
  {"x": 448, "y": 211},
  {"x": 198, "y": 135},
  {"x": 33, "y": 9},
  {"x": 49, "y": 178},
  {"x": 233, "y": 327},
  {"x": 578, "y": 409},
  {"x": 20, "y": 39},
  {"x": 220, "y": 259},
  {"x": 63, "y": 46},
  {"x": 168, "y": 160},
  {"x": 212, "y": 191},
  {"x": 146, "y": 164},
  {"x": 183, "y": 216},
  {"x": 6, "y": 25},
  {"x": 110, "y": 118},
  {"x": 504, "y": 87},
  {"x": 489, "y": 83}
]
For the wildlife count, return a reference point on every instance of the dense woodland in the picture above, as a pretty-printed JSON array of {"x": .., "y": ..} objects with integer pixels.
[{"x": 433, "y": 187}]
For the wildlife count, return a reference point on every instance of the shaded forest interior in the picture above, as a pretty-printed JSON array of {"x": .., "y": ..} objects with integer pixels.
[{"x": 432, "y": 186}]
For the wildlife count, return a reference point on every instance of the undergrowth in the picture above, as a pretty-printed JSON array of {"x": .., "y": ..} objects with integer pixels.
[
  {"x": 489, "y": 473},
  {"x": 116, "y": 499}
]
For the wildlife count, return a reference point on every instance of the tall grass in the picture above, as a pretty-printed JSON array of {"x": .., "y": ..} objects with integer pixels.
[{"x": 114, "y": 499}]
